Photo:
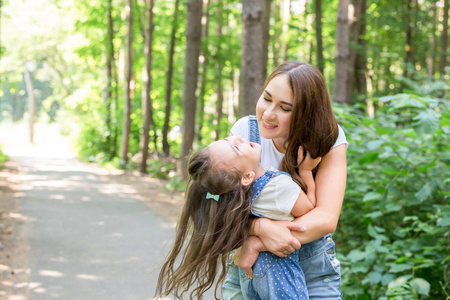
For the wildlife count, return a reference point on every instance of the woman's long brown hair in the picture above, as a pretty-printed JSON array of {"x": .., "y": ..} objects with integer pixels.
[
  {"x": 313, "y": 124},
  {"x": 207, "y": 229}
]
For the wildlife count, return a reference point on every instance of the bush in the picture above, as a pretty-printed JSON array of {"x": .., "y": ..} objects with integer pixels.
[{"x": 394, "y": 229}]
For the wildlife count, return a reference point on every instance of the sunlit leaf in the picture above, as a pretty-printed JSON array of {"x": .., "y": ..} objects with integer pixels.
[
  {"x": 426, "y": 121},
  {"x": 420, "y": 285},
  {"x": 370, "y": 196},
  {"x": 396, "y": 268},
  {"x": 425, "y": 192}
]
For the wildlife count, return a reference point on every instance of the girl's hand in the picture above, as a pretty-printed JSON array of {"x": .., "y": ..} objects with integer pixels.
[
  {"x": 309, "y": 163},
  {"x": 277, "y": 237},
  {"x": 245, "y": 256}
]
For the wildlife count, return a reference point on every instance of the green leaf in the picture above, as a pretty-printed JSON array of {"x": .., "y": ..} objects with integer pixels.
[
  {"x": 374, "y": 215},
  {"x": 425, "y": 192},
  {"x": 372, "y": 145},
  {"x": 397, "y": 282},
  {"x": 420, "y": 285},
  {"x": 426, "y": 121},
  {"x": 368, "y": 158},
  {"x": 391, "y": 207},
  {"x": 356, "y": 255},
  {"x": 402, "y": 100},
  {"x": 373, "y": 278},
  {"x": 371, "y": 196},
  {"x": 396, "y": 268},
  {"x": 445, "y": 220},
  {"x": 359, "y": 267}
]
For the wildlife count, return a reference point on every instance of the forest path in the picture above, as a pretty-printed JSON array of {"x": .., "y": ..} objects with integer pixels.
[{"x": 90, "y": 233}]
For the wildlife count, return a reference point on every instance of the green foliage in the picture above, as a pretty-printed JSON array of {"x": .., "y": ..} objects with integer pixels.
[
  {"x": 3, "y": 157},
  {"x": 160, "y": 169},
  {"x": 394, "y": 229}
]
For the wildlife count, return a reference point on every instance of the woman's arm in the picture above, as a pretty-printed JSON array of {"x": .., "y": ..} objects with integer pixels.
[{"x": 331, "y": 179}]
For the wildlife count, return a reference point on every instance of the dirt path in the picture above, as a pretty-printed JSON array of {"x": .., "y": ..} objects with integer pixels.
[{"x": 15, "y": 270}]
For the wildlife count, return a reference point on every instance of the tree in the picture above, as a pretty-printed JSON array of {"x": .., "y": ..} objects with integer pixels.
[
  {"x": 204, "y": 73},
  {"x": 361, "y": 55},
  {"x": 166, "y": 146},
  {"x": 266, "y": 35},
  {"x": 431, "y": 57},
  {"x": 355, "y": 28},
  {"x": 219, "y": 67},
  {"x": 252, "y": 55},
  {"x": 147, "y": 81},
  {"x": 319, "y": 48},
  {"x": 31, "y": 101},
  {"x": 276, "y": 36},
  {"x": 193, "y": 45},
  {"x": 109, "y": 76},
  {"x": 410, "y": 16},
  {"x": 128, "y": 72},
  {"x": 342, "y": 54},
  {"x": 444, "y": 40}
]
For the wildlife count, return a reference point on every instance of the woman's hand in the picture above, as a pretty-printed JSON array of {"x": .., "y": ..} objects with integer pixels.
[
  {"x": 245, "y": 256},
  {"x": 309, "y": 163},
  {"x": 276, "y": 235}
]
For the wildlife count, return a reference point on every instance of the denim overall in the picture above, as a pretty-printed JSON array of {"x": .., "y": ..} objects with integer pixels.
[
  {"x": 317, "y": 260},
  {"x": 273, "y": 277}
]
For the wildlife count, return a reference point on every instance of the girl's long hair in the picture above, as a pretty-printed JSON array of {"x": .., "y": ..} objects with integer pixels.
[
  {"x": 313, "y": 124},
  {"x": 207, "y": 229}
]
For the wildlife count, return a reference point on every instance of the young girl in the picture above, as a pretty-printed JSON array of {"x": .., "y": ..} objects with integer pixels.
[{"x": 226, "y": 186}]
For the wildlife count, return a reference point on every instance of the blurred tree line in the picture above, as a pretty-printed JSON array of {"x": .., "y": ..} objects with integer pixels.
[{"x": 143, "y": 82}]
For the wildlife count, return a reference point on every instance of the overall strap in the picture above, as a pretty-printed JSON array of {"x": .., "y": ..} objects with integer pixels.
[
  {"x": 259, "y": 185},
  {"x": 253, "y": 130}
]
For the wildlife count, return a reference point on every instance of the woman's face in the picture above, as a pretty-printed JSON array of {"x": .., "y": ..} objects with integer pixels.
[{"x": 273, "y": 110}]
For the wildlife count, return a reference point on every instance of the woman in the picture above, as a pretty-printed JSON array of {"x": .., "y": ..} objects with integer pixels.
[{"x": 294, "y": 110}]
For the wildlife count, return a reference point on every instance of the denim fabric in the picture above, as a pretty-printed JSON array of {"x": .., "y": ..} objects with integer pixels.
[
  {"x": 253, "y": 130},
  {"x": 275, "y": 278},
  {"x": 322, "y": 269},
  {"x": 318, "y": 262}
]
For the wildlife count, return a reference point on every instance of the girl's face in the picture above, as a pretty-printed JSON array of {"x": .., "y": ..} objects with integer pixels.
[
  {"x": 273, "y": 110},
  {"x": 237, "y": 152}
]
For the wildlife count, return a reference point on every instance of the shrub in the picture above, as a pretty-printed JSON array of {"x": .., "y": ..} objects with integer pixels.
[{"x": 394, "y": 229}]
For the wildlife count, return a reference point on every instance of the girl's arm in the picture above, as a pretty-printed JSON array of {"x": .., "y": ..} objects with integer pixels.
[
  {"x": 306, "y": 201},
  {"x": 330, "y": 182}
]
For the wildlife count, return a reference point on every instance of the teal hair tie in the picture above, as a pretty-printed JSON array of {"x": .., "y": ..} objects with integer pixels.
[{"x": 211, "y": 196}]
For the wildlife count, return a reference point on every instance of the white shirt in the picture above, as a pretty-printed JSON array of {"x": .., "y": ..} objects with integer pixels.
[
  {"x": 270, "y": 156},
  {"x": 277, "y": 198}
]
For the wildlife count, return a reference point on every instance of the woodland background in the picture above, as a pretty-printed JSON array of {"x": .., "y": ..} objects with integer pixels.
[{"x": 139, "y": 83}]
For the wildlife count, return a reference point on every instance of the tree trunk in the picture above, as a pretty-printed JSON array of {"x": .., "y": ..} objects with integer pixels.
[
  {"x": 361, "y": 56},
  {"x": 166, "y": 146},
  {"x": 431, "y": 58},
  {"x": 193, "y": 45},
  {"x": 276, "y": 38},
  {"x": 409, "y": 60},
  {"x": 342, "y": 54},
  {"x": 204, "y": 72},
  {"x": 444, "y": 41},
  {"x": 128, "y": 73},
  {"x": 285, "y": 33},
  {"x": 147, "y": 82},
  {"x": 319, "y": 48},
  {"x": 266, "y": 35},
  {"x": 31, "y": 102},
  {"x": 109, "y": 77},
  {"x": 219, "y": 70},
  {"x": 354, "y": 23},
  {"x": 252, "y": 55}
]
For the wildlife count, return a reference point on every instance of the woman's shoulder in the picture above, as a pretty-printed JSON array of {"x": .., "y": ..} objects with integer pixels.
[{"x": 342, "y": 139}]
